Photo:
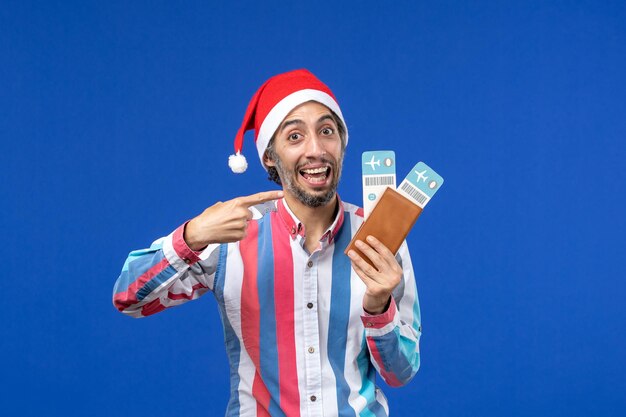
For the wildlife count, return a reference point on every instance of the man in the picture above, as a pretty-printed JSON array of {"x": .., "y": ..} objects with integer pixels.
[{"x": 306, "y": 328}]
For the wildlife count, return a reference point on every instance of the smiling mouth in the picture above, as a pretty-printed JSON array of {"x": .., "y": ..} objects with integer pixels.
[{"x": 315, "y": 175}]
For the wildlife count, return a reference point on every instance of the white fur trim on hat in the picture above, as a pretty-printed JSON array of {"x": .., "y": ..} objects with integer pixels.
[{"x": 275, "y": 117}]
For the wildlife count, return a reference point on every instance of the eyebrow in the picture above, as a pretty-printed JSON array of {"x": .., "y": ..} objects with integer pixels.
[
  {"x": 325, "y": 117},
  {"x": 290, "y": 123},
  {"x": 299, "y": 122}
]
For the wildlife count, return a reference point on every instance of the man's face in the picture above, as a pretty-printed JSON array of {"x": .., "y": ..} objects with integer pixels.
[{"x": 308, "y": 154}]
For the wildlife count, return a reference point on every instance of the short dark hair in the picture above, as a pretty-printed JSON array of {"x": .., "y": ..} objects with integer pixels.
[{"x": 270, "y": 152}]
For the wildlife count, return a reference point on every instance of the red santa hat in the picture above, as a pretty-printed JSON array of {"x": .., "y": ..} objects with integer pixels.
[{"x": 272, "y": 102}]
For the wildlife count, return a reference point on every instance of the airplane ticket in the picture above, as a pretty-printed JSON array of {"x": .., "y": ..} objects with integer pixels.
[
  {"x": 378, "y": 173},
  {"x": 421, "y": 184}
]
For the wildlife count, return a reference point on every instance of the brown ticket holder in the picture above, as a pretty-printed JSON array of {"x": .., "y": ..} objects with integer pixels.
[{"x": 390, "y": 222}]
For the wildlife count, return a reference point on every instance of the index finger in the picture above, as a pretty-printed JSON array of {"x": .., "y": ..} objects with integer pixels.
[{"x": 261, "y": 197}]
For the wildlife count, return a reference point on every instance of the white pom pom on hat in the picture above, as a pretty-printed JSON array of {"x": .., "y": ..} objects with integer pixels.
[
  {"x": 272, "y": 102},
  {"x": 238, "y": 163}
]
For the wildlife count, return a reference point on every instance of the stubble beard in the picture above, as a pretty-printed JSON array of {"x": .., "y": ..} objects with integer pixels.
[{"x": 308, "y": 199}]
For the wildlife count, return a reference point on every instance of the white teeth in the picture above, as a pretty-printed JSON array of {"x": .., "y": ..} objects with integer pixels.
[
  {"x": 319, "y": 180},
  {"x": 314, "y": 171}
]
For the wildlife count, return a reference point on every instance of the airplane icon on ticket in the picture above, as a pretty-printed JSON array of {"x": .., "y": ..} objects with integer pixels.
[
  {"x": 373, "y": 162},
  {"x": 421, "y": 176}
]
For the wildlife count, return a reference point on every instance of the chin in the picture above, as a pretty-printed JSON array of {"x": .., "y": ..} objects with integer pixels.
[
  {"x": 319, "y": 200},
  {"x": 312, "y": 196}
]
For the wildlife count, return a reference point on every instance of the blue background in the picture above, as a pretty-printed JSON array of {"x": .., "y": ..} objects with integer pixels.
[{"x": 117, "y": 118}]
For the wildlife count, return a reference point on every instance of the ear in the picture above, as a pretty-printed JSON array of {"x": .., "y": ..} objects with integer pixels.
[{"x": 268, "y": 161}]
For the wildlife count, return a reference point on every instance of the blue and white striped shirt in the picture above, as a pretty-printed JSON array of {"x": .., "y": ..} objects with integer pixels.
[{"x": 297, "y": 338}]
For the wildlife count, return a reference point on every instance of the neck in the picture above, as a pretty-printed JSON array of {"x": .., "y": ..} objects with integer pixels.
[{"x": 315, "y": 219}]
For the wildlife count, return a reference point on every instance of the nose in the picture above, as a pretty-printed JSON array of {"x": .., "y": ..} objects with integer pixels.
[{"x": 315, "y": 146}]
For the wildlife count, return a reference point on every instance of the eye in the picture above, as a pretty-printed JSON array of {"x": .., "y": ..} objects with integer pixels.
[
  {"x": 294, "y": 136},
  {"x": 327, "y": 131}
]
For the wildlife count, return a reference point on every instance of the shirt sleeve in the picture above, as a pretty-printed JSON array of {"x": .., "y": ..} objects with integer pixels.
[
  {"x": 393, "y": 336},
  {"x": 165, "y": 275}
]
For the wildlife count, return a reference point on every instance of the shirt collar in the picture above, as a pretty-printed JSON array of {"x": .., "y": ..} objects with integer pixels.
[{"x": 295, "y": 227}]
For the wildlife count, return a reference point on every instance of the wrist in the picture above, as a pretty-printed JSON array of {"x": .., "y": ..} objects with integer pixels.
[
  {"x": 376, "y": 307},
  {"x": 190, "y": 238}
]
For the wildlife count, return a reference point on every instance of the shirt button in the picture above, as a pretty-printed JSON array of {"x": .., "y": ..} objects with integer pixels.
[
  {"x": 313, "y": 398},
  {"x": 369, "y": 324},
  {"x": 311, "y": 349},
  {"x": 309, "y": 305},
  {"x": 309, "y": 264},
  {"x": 187, "y": 261}
]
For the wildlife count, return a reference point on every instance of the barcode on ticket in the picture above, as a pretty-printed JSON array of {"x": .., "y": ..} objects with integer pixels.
[
  {"x": 417, "y": 195},
  {"x": 380, "y": 180}
]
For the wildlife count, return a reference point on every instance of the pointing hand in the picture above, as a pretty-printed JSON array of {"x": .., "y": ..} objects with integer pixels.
[{"x": 226, "y": 221}]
